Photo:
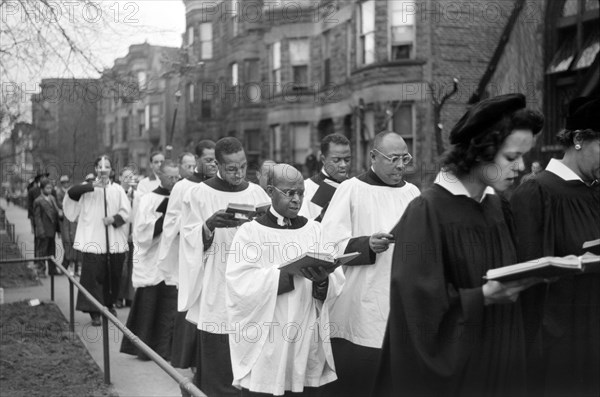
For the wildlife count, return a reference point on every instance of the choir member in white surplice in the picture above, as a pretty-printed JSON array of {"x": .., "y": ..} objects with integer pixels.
[
  {"x": 152, "y": 314},
  {"x": 99, "y": 206},
  {"x": 206, "y": 234},
  {"x": 280, "y": 320},
  {"x": 151, "y": 182},
  {"x": 360, "y": 216},
  {"x": 336, "y": 157},
  {"x": 185, "y": 346}
]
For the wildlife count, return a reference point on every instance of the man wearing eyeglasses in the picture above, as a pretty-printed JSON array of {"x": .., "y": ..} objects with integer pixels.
[
  {"x": 290, "y": 355},
  {"x": 360, "y": 215},
  {"x": 206, "y": 234},
  {"x": 155, "y": 301},
  {"x": 184, "y": 333},
  {"x": 336, "y": 157}
]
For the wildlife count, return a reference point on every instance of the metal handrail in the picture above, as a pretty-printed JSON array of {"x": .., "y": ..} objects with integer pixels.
[{"x": 185, "y": 384}]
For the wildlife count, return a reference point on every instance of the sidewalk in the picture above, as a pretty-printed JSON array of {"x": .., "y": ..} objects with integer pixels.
[{"x": 129, "y": 376}]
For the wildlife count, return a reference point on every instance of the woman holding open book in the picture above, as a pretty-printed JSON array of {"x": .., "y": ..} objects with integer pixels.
[
  {"x": 449, "y": 331},
  {"x": 555, "y": 214}
]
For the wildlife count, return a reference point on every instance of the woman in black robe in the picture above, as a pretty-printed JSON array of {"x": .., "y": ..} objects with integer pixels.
[
  {"x": 555, "y": 213},
  {"x": 449, "y": 332}
]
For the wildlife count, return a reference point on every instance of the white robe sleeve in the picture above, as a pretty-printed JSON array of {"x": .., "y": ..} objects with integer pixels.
[
  {"x": 337, "y": 222},
  {"x": 191, "y": 252},
  {"x": 144, "y": 222},
  {"x": 171, "y": 230},
  {"x": 251, "y": 297},
  {"x": 71, "y": 208}
]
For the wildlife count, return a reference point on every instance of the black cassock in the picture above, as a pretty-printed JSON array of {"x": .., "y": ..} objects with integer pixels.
[
  {"x": 441, "y": 340},
  {"x": 554, "y": 217}
]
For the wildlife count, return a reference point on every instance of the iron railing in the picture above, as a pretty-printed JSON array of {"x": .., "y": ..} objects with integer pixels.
[{"x": 185, "y": 384}]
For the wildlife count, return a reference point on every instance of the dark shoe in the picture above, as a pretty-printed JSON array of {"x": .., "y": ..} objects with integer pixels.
[
  {"x": 119, "y": 304},
  {"x": 96, "y": 322}
]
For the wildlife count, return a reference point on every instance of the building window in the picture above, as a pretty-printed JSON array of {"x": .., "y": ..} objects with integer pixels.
[
  {"x": 402, "y": 29},
  {"x": 190, "y": 35},
  {"x": 155, "y": 115},
  {"x": 252, "y": 91},
  {"x": 326, "y": 45},
  {"x": 234, "y": 74},
  {"x": 190, "y": 93},
  {"x": 141, "y": 116},
  {"x": 276, "y": 65},
  {"x": 124, "y": 129},
  {"x": 141, "y": 77},
  {"x": 367, "y": 32},
  {"x": 206, "y": 37},
  {"x": 205, "y": 112},
  {"x": 112, "y": 133},
  {"x": 299, "y": 58},
  {"x": 402, "y": 122},
  {"x": 252, "y": 142},
  {"x": 276, "y": 142},
  {"x": 301, "y": 142},
  {"x": 234, "y": 18}
]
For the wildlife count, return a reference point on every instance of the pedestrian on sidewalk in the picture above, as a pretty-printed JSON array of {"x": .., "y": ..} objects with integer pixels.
[
  {"x": 102, "y": 209},
  {"x": 72, "y": 258},
  {"x": 46, "y": 216}
]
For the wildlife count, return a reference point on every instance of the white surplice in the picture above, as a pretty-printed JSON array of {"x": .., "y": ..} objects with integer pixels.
[
  {"x": 203, "y": 293},
  {"x": 361, "y": 209},
  {"x": 90, "y": 236},
  {"x": 309, "y": 209},
  {"x": 168, "y": 251},
  {"x": 278, "y": 340},
  {"x": 145, "y": 257}
]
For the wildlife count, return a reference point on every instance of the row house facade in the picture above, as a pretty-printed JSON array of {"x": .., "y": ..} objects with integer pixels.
[
  {"x": 282, "y": 75},
  {"x": 140, "y": 94},
  {"x": 65, "y": 137}
]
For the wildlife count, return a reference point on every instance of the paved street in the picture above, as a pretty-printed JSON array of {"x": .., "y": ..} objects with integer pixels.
[{"x": 130, "y": 376}]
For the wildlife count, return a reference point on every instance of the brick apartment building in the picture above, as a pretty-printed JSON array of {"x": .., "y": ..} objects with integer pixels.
[
  {"x": 140, "y": 94},
  {"x": 281, "y": 75},
  {"x": 551, "y": 54},
  {"x": 65, "y": 139}
]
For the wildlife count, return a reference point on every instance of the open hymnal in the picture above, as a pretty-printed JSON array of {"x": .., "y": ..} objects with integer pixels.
[
  {"x": 316, "y": 259},
  {"x": 247, "y": 211},
  {"x": 324, "y": 193},
  {"x": 547, "y": 267}
]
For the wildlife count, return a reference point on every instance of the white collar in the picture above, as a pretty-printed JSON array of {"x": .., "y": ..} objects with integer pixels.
[
  {"x": 325, "y": 172},
  {"x": 280, "y": 218},
  {"x": 451, "y": 183},
  {"x": 559, "y": 168}
]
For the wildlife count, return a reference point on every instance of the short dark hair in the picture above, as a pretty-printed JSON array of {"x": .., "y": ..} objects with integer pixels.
[
  {"x": 337, "y": 139},
  {"x": 155, "y": 153},
  {"x": 203, "y": 145},
  {"x": 462, "y": 157},
  {"x": 184, "y": 154},
  {"x": 227, "y": 145},
  {"x": 565, "y": 137},
  {"x": 44, "y": 182}
]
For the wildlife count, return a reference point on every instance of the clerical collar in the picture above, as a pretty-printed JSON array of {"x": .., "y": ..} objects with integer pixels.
[
  {"x": 322, "y": 176},
  {"x": 219, "y": 184},
  {"x": 452, "y": 184},
  {"x": 161, "y": 191},
  {"x": 371, "y": 178},
  {"x": 559, "y": 169},
  {"x": 274, "y": 220},
  {"x": 196, "y": 177}
]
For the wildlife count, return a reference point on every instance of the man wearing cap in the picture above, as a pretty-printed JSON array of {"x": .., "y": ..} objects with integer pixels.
[
  {"x": 359, "y": 218},
  {"x": 555, "y": 214}
]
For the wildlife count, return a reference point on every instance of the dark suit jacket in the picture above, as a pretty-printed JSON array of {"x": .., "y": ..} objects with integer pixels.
[{"x": 45, "y": 215}]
